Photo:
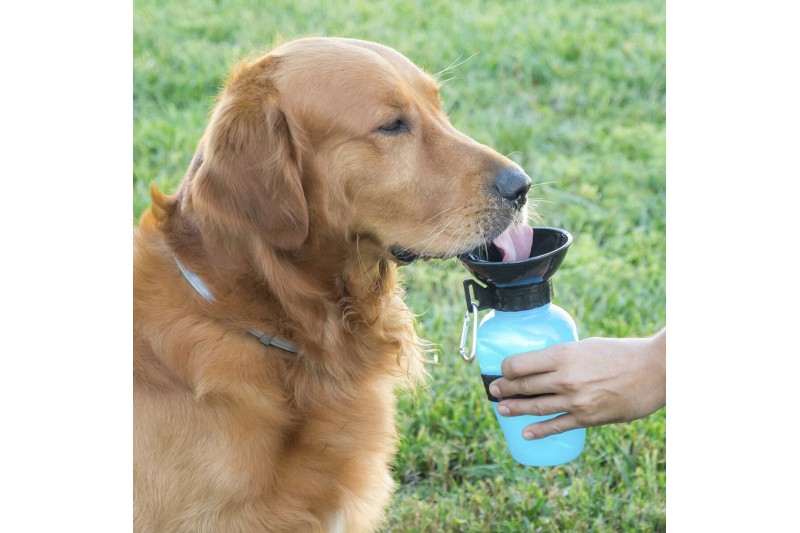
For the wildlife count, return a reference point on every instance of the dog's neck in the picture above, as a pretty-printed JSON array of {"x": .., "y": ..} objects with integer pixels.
[
  {"x": 339, "y": 301},
  {"x": 263, "y": 337},
  {"x": 325, "y": 281}
]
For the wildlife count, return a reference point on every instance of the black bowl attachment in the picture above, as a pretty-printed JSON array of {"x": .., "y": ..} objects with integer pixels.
[{"x": 516, "y": 285}]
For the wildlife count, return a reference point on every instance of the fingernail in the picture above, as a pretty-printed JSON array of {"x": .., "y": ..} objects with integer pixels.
[
  {"x": 503, "y": 410},
  {"x": 527, "y": 435},
  {"x": 494, "y": 390}
]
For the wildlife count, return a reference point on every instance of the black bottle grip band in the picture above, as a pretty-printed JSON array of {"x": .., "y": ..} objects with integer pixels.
[{"x": 489, "y": 378}]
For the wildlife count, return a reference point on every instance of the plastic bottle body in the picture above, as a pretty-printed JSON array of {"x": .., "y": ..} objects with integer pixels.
[{"x": 502, "y": 334}]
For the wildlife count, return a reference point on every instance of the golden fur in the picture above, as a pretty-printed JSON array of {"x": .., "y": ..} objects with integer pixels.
[{"x": 289, "y": 213}]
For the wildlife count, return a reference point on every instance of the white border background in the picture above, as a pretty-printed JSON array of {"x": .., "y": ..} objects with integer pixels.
[
  {"x": 732, "y": 289},
  {"x": 66, "y": 226},
  {"x": 65, "y": 223}
]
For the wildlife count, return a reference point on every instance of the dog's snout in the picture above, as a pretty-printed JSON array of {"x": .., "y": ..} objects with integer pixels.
[{"x": 512, "y": 185}]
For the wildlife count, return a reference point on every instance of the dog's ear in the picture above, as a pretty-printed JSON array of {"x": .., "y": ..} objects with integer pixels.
[{"x": 249, "y": 178}]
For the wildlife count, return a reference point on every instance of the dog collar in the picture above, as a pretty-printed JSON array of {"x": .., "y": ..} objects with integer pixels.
[{"x": 265, "y": 339}]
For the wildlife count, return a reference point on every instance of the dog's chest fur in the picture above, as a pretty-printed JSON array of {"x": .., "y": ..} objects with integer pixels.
[{"x": 233, "y": 435}]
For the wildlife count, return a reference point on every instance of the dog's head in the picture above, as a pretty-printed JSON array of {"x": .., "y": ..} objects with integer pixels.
[{"x": 326, "y": 140}]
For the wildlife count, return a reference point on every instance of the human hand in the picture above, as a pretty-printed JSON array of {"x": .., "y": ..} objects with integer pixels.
[{"x": 594, "y": 381}]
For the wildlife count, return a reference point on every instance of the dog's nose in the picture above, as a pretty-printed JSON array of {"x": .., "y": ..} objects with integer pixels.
[{"x": 512, "y": 185}]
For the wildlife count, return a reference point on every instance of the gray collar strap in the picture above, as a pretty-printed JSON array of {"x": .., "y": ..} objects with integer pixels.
[
  {"x": 263, "y": 338},
  {"x": 270, "y": 340}
]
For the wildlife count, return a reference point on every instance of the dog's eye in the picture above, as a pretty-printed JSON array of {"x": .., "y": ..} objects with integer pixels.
[{"x": 393, "y": 127}]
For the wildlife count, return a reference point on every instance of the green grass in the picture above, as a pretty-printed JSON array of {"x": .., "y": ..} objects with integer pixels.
[{"x": 573, "y": 91}]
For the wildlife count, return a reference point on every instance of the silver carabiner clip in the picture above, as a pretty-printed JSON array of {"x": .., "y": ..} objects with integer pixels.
[{"x": 463, "y": 349}]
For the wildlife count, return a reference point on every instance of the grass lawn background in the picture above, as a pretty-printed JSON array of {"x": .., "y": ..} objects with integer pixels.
[{"x": 572, "y": 91}]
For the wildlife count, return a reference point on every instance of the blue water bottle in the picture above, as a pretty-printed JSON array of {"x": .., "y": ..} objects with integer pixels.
[{"x": 522, "y": 318}]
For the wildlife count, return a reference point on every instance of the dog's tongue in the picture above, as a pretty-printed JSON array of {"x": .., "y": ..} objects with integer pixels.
[{"x": 515, "y": 243}]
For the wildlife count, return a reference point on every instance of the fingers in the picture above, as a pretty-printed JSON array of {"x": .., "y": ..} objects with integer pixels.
[
  {"x": 528, "y": 384},
  {"x": 554, "y": 426},
  {"x": 535, "y": 362},
  {"x": 541, "y": 406}
]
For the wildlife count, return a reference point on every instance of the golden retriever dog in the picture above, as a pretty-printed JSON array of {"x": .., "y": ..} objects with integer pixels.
[{"x": 270, "y": 333}]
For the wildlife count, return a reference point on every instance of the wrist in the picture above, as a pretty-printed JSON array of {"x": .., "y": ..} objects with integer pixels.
[{"x": 658, "y": 363}]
